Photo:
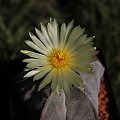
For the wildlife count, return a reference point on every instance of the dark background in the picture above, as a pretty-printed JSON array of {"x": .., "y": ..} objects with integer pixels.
[{"x": 100, "y": 18}]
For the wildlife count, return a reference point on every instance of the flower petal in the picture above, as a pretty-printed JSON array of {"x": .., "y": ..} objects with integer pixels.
[
  {"x": 88, "y": 40},
  {"x": 37, "y": 64},
  {"x": 75, "y": 78},
  {"x": 56, "y": 30},
  {"x": 83, "y": 48},
  {"x": 31, "y": 73},
  {"x": 28, "y": 60},
  {"x": 67, "y": 84},
  {"x": 59, "y": 80},
  {"x": 53, "y": 35},
  {"x": 74, "y": 35},
  {"x": 54, "y": 81},
  {"x": 82, "y": 60},
  {"x": 26, "y": 69},
  {"x": 80, "y": 43},
  {"x": 43, "y": 39},
  {"x": 45, "y": 33},
  {"x": 43, "y": 72},
  {"x": 64, "y": 33},
  {"x": 38, "y": 42},
  {"x": 32, "y": 45},
  {"x": 46, "y": 80},
  {"x": 53, "y": 30},
  {"x": 72, "y": 77},
  {"x": 83, "y": 55},
  {"x": 33, "y": 54},
  {"x": 86, "y": 68},
  {"x": 66, "y": 87}
]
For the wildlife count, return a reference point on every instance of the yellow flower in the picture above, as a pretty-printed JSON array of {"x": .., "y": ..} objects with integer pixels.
[{"x": 62, "y": 53}]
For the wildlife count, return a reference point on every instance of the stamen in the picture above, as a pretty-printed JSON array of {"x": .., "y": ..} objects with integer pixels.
[{"x": 58, "y": 58}]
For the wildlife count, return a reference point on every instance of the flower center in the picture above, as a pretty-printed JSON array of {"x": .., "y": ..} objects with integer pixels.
[{"x": 58, "y": 58}]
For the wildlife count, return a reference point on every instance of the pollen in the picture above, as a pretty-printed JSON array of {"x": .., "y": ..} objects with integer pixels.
[{"x": 59, "y": 58}]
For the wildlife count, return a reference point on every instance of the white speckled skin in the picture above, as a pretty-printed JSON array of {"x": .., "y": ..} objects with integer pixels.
[{"x": 81, "y": 105}]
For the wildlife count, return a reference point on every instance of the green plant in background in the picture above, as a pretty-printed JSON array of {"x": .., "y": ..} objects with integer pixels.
[
  {"x": 17, "y": 17},
  {"x": 11, "y": 30},
  {"x": 102, "y": 18}
]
